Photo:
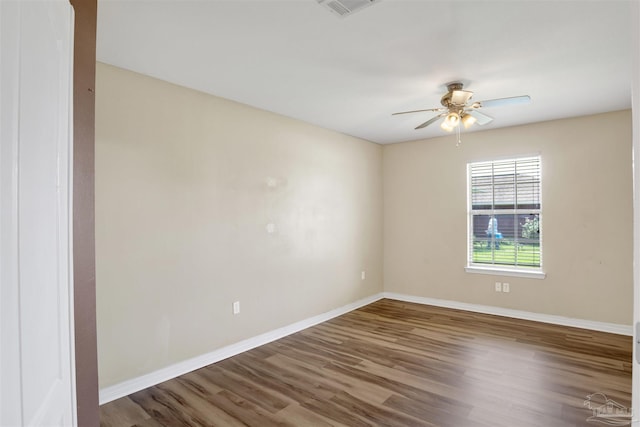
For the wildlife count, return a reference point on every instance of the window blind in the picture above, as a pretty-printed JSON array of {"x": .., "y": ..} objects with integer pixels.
[{"x": 505, "y": 213}]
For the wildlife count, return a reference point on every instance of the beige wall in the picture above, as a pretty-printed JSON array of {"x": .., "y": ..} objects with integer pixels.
[
  {"x": 186, "y": 185},
  {"x": 587, "y": 218}
]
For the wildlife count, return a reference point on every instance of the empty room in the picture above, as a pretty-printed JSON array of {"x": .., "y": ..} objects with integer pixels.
[{"x": 364, "y": 213}]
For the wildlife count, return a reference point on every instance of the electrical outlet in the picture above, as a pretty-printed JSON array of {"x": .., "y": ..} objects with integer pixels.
[
  {"x": 505, "y": 287},
  {"x": 236, "y": 307},
  {"x": 363, "y": 275},
  {"x": 498, "y": 287}
]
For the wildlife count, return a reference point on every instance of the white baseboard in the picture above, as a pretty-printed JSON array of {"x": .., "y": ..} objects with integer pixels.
[
  {"x": 125, "y": 388},
  {"x": 613, "y": 328}
]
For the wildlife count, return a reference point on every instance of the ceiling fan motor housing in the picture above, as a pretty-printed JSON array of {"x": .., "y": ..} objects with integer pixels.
[
  {"x": 455, "y": 102},
  {"x": 457, "y": 108}
]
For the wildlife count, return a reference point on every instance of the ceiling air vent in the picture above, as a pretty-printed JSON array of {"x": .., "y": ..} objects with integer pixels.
[{"x": 345, "y": 7}]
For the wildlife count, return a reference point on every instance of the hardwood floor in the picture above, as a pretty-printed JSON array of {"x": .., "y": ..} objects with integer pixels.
[{"x": 398, "y": 364}]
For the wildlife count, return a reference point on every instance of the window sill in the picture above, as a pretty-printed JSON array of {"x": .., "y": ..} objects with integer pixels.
[{"x": 496, "y": 271}]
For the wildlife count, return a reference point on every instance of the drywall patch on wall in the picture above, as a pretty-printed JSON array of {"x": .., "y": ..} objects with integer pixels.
[{"x": 202, "y": 202}]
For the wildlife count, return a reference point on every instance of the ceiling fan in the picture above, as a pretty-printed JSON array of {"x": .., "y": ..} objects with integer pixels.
[{"x": 457, "y": 108}]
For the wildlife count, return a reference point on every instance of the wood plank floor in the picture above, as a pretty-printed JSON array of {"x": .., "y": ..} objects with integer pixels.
[{"x": 397, "y": 364}]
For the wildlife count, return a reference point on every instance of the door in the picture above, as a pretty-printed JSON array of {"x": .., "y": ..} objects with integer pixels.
[{"x": 36, "y": 312}]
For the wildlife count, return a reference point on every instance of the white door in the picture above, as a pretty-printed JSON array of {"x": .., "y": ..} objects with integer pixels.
[{"x": 37, "y": 386}]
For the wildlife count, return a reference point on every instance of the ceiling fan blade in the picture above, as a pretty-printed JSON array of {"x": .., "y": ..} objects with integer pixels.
[
  {"x": 460, "y": 97},
  {"x": 419, "y": 111},
  {"x": 481, "y": 119},
  {"x": 500, "y": 102},
  {"x": 431, "y": 120}
]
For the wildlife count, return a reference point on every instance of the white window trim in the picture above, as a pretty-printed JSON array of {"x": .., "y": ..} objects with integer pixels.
[
  {"x": 496, "y": 271},
  {"x": 492, "y": 269}
]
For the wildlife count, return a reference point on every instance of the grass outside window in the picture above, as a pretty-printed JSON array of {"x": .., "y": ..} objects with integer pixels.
[{"x": 508, "y": 253}]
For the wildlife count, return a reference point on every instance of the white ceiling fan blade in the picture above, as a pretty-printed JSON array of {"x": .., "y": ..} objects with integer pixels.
[
  {"x": 481, "y": 119},
  {"x": 460, "y": 97},
  {"x": 501, "y": 102},
  {"x": 431, "y": 120},
  {"x": 419, "y": 111}
]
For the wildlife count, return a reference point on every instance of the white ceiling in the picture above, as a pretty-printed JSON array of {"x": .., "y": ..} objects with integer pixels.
[{"x": 295, "y": 58}]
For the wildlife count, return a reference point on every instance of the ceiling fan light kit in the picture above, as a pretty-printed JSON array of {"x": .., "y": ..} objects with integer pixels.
[
  {"x": 457, "y": 108},
  {"x": 468, "y": 120},
  {"x": 452, "y": 120}
]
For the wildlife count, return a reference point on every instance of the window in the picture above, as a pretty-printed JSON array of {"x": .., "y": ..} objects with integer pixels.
[{"x": 505, "y": 215}]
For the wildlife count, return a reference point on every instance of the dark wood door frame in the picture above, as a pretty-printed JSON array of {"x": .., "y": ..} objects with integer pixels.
[{"x": 84, "y": 271}]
